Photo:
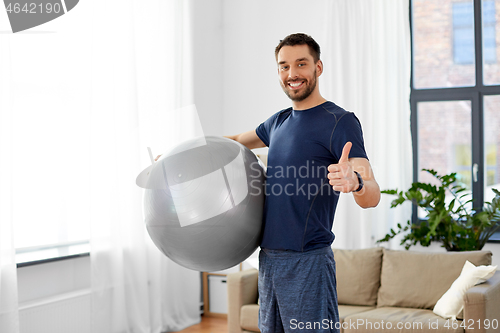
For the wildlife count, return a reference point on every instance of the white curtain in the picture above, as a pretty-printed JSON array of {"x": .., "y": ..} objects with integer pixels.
[
  {"x": 9, "y": 313},
  {"x": 81, "y": 97},
  {"x": 140, "y": 76},
  {"x": 368, "y": 54}
]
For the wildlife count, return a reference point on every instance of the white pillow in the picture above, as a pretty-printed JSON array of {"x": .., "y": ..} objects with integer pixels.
[
  {"x": 452, "y": 302},
  {"x": 468, "y": 266}
]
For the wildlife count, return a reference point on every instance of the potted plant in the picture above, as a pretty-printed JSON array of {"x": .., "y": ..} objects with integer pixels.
[{"x": 450, "y": 222}]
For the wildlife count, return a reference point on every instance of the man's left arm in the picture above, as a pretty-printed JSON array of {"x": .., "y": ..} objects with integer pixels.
[{"x": 343, "y": 178}]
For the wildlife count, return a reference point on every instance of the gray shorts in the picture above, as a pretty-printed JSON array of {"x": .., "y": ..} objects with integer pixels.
[{"x": 298, "y": 291}]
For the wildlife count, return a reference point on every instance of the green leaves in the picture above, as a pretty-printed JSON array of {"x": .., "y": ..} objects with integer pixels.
[
  {"x": 459, "y": 228},
  {"x": 389, "y": 191}
]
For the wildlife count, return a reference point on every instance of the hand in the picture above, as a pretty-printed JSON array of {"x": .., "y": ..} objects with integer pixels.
[{"x": 341, "y": 175}]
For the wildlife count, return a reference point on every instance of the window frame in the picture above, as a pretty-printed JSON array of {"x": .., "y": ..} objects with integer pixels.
[{"x": 475, "y": 94}]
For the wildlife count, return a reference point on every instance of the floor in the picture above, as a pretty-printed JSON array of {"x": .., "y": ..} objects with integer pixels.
[{"x": 208, "y": 325}]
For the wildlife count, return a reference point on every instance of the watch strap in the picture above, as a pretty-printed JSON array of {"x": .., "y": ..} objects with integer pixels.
[{"x": 360, "y": 180}]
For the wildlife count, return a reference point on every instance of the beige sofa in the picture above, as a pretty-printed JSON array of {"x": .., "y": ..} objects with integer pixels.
[{"x": 383, "y": 290}]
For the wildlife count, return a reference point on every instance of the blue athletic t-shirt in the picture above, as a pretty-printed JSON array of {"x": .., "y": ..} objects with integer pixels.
[{"x": 300, "y": 203}]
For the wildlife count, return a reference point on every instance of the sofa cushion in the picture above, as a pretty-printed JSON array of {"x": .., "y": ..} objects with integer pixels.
[
  {"x": 358, "y": 275},
  {"x": 398, "y": 320},
  {"x": 348, "y": 310},
  {"x": 249, "y": 317},
  {"x": 418, "y": 279}
]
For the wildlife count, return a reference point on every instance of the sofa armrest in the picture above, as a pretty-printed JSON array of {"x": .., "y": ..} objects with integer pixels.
[
  {"x": 482, "y": 306},
  {"x": 241, "y": 289}
]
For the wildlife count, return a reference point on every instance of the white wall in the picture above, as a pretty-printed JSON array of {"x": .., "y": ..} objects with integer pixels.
[
  {"x": 495, "y": 249},
  {"x": 208, "y": 63},
  {"x": 53, "y": 278},
  {"x": 252, "y": 29}
]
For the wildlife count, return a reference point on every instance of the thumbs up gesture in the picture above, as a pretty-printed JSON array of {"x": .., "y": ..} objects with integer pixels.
[{"x": 341, "y": 175}]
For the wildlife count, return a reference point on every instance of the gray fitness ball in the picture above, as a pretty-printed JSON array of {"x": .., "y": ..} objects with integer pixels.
[{"x": 203, "y": 203}]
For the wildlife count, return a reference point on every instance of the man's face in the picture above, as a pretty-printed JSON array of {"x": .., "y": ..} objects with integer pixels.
[{"x": 297, "y": 72}]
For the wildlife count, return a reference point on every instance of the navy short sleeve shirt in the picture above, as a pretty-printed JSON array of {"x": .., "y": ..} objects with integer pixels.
[{"x": 300, "y": 203}]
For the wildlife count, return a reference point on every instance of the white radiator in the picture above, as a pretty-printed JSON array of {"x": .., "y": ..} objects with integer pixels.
[{"x": 67, "y": 313}]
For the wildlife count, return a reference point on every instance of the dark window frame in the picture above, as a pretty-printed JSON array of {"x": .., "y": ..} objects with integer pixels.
[{"x": 474, "y": 94}]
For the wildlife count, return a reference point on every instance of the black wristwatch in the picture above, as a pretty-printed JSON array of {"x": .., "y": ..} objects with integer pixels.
[{"x": 360, "y": 180}]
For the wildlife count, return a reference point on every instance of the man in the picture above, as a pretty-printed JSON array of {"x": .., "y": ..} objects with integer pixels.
[{"x": 316, "y": 150}]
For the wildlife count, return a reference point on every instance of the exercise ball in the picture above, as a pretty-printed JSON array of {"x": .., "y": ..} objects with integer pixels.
[{"x": 203, "y": 203}]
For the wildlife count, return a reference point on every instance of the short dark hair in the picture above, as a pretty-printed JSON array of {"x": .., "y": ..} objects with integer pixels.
[{"x": 300, "y": 39}]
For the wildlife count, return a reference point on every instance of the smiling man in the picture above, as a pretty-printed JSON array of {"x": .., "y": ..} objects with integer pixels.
[{"x": 316, "y": 151}]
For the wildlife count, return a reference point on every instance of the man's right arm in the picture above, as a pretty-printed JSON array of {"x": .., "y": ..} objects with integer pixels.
[{"x": 249, "y": 139}]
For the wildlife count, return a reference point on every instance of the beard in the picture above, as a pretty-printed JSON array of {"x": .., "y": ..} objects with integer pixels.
[{"x": 305, "y": 92}]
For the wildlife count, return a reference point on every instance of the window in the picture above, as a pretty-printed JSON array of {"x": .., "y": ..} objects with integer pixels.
[
  {"x": 51, "y": 139},
  {"x": 491, "y": 144},
  {"x": 463, "y": 32},
  {"x": 489, "y": 32},
  {"x": 455, "y": 98}
]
